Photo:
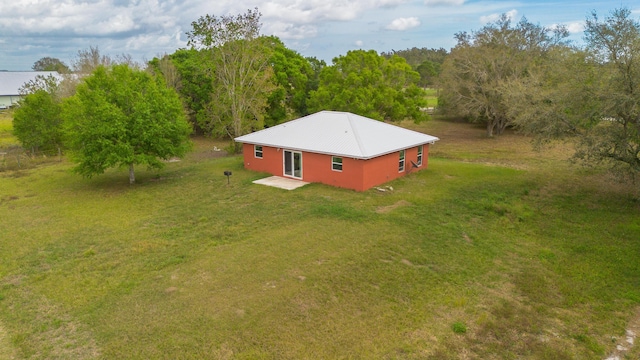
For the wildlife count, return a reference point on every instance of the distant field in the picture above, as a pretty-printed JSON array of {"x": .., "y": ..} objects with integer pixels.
[
  {"x": 6, "y": 137},
  {"x": 432, "y": 97},
  {"x": 493, "y": 252}
]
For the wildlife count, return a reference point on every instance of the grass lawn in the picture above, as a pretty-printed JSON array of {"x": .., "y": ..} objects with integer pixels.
[
  {"x": 6, "y": 128},
  {"x": 493, "y": 252},
  {"x": 432, "y": 97}
]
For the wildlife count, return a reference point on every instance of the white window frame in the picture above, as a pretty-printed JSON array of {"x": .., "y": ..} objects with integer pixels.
[
  {"x": 420, "y": 152},
  {"x": 401, "y": 161},
  {"x": 256, "y": 151},
  {"x": 335, "y": 163}
]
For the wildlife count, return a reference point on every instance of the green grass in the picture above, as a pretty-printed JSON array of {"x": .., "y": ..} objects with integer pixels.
[
  {"x": 534, "y": 258},
  {"x": 6, "y": 128},
  {"x": 432, "y": 97}
]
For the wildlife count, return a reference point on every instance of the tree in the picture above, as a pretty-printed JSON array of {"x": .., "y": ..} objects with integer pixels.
[
  {"x": 242, "y": 77},
  {"x": 50, "y": 64},
  {"x": 317, "y": 66},
  {"x": 121, "y": 116},
  {"x": 37, "y": 122},
  {"x": 87, "y": 60},
  {"x": 428, "y": 71},
  {"x": 165, "y": 67},
  {"x": 484, "y": 65},
  {"x": 294, "y": 77},
  {"x": 191, "y": 74},
  {"x": 427, "y": 62},
  {"x": 49, "y": 83},
  {"x": 593, "y": 96},
  {"x": 367, "y": 84},
  {"x": 416, "y": 56},
  {"x": 614, "y": 44}
]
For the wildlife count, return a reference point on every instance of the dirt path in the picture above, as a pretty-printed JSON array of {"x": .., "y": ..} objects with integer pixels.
[{"x": 627, "y": 345}]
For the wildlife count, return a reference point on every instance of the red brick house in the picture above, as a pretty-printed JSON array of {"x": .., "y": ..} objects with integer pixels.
[{"x": 337, "y": 148}]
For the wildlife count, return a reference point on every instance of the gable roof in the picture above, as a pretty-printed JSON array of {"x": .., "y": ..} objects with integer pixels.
[
  {"x": 11, "y": 81},
  {"x": 338, "y": 133}
]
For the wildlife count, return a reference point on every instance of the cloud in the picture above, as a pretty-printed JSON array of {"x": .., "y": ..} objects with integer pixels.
[
  {"x": 96, "y": 18},
  {"x": 444, "y": 2},
  {"x": 315, "y": 11},
  {"x": 388, "y": 3},
  {"x": 575, "y": 27},
  {"x": 511, "y": 15},
  {"x": 291, "y": 31},
  {"x": 167, "y": 42},
  {"x": 359, "y": 43},
  {"x": 402, "y": 24}
]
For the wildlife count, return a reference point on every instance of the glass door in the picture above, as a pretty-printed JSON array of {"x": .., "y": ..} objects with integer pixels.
[{"x": 293, "y": 164}]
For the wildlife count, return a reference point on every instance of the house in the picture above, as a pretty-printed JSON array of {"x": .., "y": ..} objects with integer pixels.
[
  {"x": 12, "y": 81},
  {"x": 337, "y": 148}
]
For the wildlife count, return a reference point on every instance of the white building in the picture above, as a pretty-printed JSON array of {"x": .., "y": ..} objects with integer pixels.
[{"x": 12, "y": 81}]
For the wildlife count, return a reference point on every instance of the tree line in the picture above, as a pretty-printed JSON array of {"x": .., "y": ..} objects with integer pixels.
[
  {"x": 232, "y": 80},
  {"x": 531, "y": 78}
]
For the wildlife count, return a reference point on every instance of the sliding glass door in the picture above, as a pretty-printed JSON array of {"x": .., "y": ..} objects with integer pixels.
[{"x": 293, "y": 164}]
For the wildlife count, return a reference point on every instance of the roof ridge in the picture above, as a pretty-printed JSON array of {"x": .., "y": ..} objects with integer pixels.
[{"x": 356, "y": 135}]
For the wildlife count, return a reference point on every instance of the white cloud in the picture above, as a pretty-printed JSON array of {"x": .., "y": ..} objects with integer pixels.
[
  {"x": 402, "y": 24},
  {"x": 359, "y": 43},
  {"x": 511, "y": 15},
  {"x": 575, "y": 27},
  {"x": 97, "y": 18},
  {"x": 444, "y": 2},
  {"x": 313, "y": 11},
  {"x": 31, "y": 29},
  {"x": 290, "y": 31},
  {"x": 388, "y": 3},
  {"x": 156, "y": 40}
]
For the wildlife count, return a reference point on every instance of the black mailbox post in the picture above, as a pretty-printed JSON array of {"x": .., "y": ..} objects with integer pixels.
[{"x": 227, "y": 173}]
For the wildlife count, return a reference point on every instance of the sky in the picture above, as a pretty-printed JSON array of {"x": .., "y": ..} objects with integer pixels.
[{"x": 325, "y": 29}]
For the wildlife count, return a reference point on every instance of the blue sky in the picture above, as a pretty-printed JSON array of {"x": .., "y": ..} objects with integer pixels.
[{"x": 32, "y": 29}]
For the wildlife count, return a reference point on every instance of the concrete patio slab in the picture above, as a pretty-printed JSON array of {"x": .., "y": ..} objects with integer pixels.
[{"x": 281, "y": 182}]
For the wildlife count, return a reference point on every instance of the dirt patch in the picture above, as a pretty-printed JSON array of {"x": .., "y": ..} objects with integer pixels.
[
  {"x": 626, "y": 345},
  {"x": 207, "y": 154},
  {"x": 54, "y": 332},
  {"x": 7, "y": 352},
  {"x": 387, "y": 209},
  {"x": 207, "y": 148},
  {"x": 406, "y": 262}
]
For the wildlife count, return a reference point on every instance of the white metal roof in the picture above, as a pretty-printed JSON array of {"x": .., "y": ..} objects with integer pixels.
[
  {"x": 11, "y": 81},
  {"x": 338, "y": 133}
]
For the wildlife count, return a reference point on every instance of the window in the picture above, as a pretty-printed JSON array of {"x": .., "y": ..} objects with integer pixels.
[
  {"x": 336, "y": 163},
  {"x": 419, "y": 155},
  {"x": 257, "y": 151},
  {"x": 401, "y": 162}
]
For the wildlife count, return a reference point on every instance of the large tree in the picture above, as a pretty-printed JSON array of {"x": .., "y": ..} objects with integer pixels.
[
  {"x": 121, "y": 116},
  {"x": 592, "y": 95},
  {"x": 614, "y": 44},
  {"x": 295, "y": 79},
  {"x": 242, "y": 77},
  {"x": 371, "y": 85},
  {"x": 427, "y": 62},
  {"x": 190, "y": 73},
  {"x": 37, "y": 122},
  {"x": 87, "y": 60},
  {"x": 50, "y": 64},
  {"x": 480, "y": 70}
]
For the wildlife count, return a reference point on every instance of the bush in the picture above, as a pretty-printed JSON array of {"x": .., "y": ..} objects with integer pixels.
[{"x": 459, "y": 328}]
